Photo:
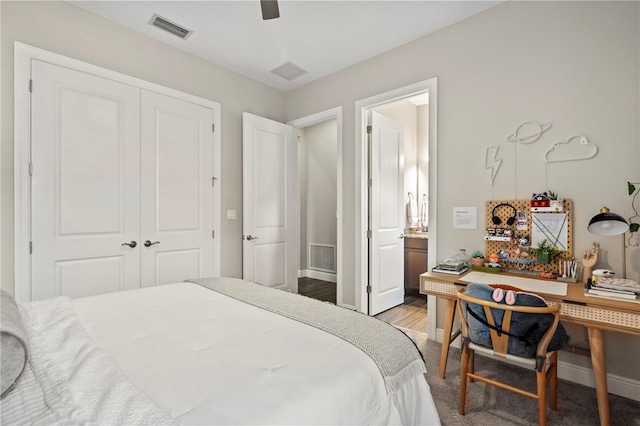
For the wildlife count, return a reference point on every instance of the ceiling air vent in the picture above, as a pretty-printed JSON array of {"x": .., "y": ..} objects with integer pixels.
[
  {"x": 289, "y": 71},
  {"x": 173, "y": 28}
]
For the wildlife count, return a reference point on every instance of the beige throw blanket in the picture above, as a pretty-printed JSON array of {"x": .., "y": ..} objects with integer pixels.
[{"x": 396, "y": 356}]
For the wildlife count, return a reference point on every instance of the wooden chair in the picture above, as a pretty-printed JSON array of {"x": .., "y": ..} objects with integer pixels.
[{"x": 500, "y": 343}]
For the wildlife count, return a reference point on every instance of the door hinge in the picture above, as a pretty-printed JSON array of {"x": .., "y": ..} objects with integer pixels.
[
  {"x": 213, "y": 128},
  {"x": 370, "y": 182},
  {"x": 213, "y": 181},
  {"x": 30, "y": 247},
  {"x": 368, "y": 289},
  {"x": 213, "y": 233},
  {"x": 369, "y": 129},
  {"x": 369, "y": 234},
  {"x": 30, "y": 169},
  {"x": 30, "y": 85}
]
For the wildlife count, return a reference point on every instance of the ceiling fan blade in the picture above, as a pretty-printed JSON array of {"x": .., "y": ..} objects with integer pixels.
[{"x": 269, "y": 9}]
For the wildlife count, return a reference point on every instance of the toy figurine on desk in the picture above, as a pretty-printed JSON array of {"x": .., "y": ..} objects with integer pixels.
[
  {"x": 589, "y": 260},
  {"x": 494, "y": 260}
]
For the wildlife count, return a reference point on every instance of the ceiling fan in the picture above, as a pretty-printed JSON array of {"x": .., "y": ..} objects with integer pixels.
[{"x": 269, "y": 9}]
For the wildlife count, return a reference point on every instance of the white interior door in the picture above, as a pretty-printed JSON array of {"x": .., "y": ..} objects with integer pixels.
[
  {"x": 269, "y": 205},
  {"x": 85, "y": 185},
  {"x": 176, "y": 239},
  {"x": 386, "y": 245}
]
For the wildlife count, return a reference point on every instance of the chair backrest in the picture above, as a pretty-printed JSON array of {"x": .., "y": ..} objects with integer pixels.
[{"x": 498, "y": 318}]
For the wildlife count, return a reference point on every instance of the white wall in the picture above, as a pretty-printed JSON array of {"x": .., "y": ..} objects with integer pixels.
[
  {"x": 320, "y": 176},
  {"x": 65, "y": 29},
  {"x": 303, "y": 160},
  {"x": 574, "y": 64},
  {"x": 423, "y": 152}
]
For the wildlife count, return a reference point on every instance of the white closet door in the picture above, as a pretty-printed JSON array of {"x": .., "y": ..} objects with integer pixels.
[
  {"x": 85, "y": 183},
  {"x": 177, "y": 192}
]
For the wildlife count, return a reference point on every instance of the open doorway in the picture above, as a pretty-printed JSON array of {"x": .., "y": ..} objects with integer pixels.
[
  {"x": 363, "y": 108},
  {"x": 319, "y": 141}
]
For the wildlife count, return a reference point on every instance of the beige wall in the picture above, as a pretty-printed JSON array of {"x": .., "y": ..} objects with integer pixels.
[
  {"x": 574, "y": 64},
  {"x": 319, "y": 176},
  {"x": 65, "y": 29}
]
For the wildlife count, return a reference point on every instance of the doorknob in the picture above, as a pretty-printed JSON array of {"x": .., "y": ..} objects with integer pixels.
[
  {"x": 149, "y": 243},
  {"x": 132, "y": 244},
  {"x": 401, "y": 236},
  {"x": 249, "y": 237}
]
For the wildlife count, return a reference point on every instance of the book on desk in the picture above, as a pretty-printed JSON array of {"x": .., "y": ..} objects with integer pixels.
[
  {"x": 613, "y": 288},
  {"x": 450, "y": 271}
]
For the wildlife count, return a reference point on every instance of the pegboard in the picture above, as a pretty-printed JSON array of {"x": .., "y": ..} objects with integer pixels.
[{"x": 515, "y": 256}]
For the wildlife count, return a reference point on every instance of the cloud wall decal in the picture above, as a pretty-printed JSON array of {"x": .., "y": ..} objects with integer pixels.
[{"x": 576, "y": 148}]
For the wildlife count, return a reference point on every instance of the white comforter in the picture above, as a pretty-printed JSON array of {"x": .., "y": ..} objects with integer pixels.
[{"x": 209, "y": 359}]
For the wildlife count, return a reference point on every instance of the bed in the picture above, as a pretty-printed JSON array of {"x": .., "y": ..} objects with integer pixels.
[{"x": 213, "y": 351}]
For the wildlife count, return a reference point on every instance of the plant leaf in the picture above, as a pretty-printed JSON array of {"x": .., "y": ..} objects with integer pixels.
[
  {"x": 634, "y": 227},
  {"x": 631, "y": 188}
]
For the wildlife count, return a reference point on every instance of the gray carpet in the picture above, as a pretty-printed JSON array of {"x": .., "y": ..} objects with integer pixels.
[{"x": 488, "y": 405}]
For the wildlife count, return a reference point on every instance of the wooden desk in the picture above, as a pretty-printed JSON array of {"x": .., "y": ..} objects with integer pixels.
[{"x": 596, "y": 314}]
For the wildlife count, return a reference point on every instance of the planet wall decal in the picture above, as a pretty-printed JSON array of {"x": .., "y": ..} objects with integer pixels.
[{"x": 529, "y": 132}]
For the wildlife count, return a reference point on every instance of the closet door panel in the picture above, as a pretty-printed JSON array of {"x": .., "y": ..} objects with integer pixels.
[
  {"x": 85, "y": 184},
  {"x": 176, "y": 193}
]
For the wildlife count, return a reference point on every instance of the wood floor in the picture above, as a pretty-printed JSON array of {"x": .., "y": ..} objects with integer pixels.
[
  {"x": 317, "y": 289},
  {"x": 411, "y": 315}
]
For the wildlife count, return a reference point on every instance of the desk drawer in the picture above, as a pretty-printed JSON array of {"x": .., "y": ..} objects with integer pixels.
[
  {"x": 602, "y": 317},
  {"x": 439, "y": 288}
]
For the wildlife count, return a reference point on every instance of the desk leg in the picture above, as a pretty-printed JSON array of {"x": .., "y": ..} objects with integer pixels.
[
  {"x": 596, "y": 342},
  {"x": 446, "y": 337}
]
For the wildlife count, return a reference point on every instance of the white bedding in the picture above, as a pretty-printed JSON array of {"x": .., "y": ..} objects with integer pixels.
[
  {"x": 206, "y": 358},
  {"x": 69, "y": 380}
]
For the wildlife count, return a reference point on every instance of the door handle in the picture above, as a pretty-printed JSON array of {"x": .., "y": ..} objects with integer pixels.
[
  {"x": 249, "y": 238},
  {"x": 132, "y": 244},
  {"x": 401, "y": 236},
  {"x": 149, "y": 243}
]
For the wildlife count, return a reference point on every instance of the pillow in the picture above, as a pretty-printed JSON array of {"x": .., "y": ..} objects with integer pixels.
[
  {"x": 13, "y": 343},
  {"x": 529, "y": 327}
]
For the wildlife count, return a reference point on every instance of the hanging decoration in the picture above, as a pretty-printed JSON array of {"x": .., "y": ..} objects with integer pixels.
[
  {"x": 529, "y": 132},
  {"x": 491, "y": 161},
  {"x": 576, "y": 148}
]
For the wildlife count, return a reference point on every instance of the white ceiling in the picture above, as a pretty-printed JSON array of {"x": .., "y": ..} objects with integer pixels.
[{"x": 319, "y": 36}]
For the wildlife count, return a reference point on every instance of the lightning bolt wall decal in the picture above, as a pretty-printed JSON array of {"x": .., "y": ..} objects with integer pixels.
[{"x": 492, "y": 162}]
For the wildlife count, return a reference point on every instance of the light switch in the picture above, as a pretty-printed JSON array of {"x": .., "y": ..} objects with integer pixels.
[{"x": 231, "y": 214}]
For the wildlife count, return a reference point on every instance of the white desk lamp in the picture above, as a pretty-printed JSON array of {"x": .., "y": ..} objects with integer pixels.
[{"x": 607, "y": 224}]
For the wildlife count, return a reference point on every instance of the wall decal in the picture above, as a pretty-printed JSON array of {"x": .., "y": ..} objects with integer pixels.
[
  {"x": 492, "y": 162},
  {"x": 529, "y": 132},
  {"x": 576, "y": 148}
]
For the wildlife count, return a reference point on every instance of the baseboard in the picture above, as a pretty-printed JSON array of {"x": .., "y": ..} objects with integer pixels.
[
  {"x": 440, "y": 332},
  {"x": 352, "y": 307},
  {"x": 317, "y": 275},
  {"x": 617, "y": 385}
]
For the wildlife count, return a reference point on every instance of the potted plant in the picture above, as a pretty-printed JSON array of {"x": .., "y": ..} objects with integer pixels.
[
  {"x": 554, "y": 202},
  {"x": 545, "y": 251},
  {"x": 477, "y": 258}
]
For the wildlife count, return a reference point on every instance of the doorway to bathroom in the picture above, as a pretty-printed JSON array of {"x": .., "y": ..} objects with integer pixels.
[{"x": 419, "y": 177}]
